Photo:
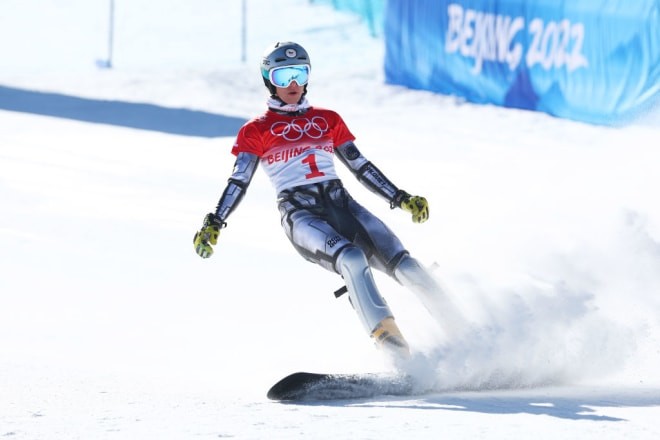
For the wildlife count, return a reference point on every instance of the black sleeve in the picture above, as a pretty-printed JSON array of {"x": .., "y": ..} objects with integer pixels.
[
  {"x": 366, "y": 172},
  {"x": 244, "y": 168}
]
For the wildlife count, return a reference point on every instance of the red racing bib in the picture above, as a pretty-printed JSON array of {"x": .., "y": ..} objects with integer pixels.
[{"x": 295, "y": 150}]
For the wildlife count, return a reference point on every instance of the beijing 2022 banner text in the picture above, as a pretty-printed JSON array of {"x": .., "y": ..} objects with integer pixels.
[{"x": 591, "y": 60}]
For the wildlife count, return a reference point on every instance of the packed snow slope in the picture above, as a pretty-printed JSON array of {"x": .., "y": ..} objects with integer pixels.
[{"x": 544, "y": 232}]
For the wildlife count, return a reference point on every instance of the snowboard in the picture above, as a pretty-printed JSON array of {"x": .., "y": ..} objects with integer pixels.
[{"x": 304, "y": 386}]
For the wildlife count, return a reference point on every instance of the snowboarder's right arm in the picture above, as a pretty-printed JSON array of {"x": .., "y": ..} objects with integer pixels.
[{"x": 244, "y": 168}]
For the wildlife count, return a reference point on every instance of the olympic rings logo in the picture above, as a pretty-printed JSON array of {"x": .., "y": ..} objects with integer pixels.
[{"x": 296, "y": 129}]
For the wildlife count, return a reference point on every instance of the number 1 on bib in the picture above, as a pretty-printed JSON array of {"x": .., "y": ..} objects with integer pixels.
[{"x": 314, "y": 169}]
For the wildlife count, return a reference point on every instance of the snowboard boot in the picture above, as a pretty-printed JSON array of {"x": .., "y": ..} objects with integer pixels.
[{"x": 389, "y": 338}]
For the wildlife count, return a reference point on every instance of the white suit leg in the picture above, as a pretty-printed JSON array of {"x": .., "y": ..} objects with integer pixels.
[
  {"x": 374, "y": 313},
  {"x": 412, "y": 275}
]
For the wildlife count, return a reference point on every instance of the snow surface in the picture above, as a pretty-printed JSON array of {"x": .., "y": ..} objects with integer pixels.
[{"x": 545, "y": 232}]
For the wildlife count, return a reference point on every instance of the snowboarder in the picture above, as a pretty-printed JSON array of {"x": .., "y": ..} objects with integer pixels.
[{"x": 296, "y": 144}]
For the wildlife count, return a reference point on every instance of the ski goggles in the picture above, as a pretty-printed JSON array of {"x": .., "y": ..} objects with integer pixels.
[{"x": 285, "y": 75}]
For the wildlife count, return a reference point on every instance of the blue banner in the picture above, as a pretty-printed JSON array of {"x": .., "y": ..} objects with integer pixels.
[
  {"x": 592, "y": 60},
  {"x": 371, "y": 11}
]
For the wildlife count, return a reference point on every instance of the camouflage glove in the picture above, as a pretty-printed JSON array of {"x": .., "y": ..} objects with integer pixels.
[
  {"x": 416, "y": 205},
  {"x": 208, "y": 235}
]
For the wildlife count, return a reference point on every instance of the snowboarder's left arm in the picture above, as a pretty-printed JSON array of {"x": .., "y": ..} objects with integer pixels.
[{"x": 372, "y": 178}]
